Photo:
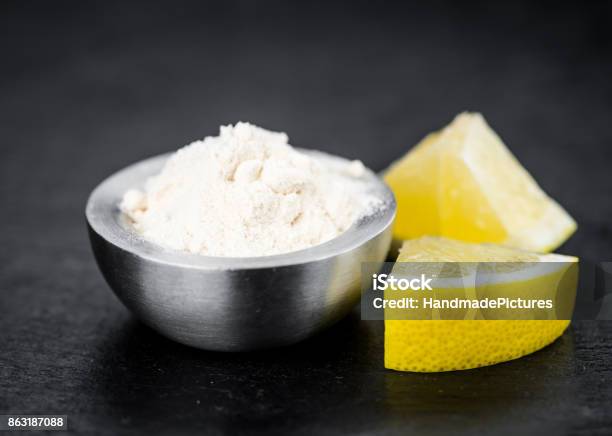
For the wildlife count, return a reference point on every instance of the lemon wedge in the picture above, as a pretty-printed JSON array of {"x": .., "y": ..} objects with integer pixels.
[
  {"x": 463, "y": 183},
  {"x": 436, "y": 343}
]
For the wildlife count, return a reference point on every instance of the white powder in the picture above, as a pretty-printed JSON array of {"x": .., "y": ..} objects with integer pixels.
[{"x": 247, "y": 192}]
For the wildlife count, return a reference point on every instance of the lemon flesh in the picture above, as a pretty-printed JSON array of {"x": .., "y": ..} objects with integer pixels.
[
  {"x": 434, "y": 345},
  {"x": 463, "y": 183}
]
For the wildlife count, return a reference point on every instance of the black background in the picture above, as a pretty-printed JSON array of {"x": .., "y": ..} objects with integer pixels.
[{"x": 86, "y": 89}]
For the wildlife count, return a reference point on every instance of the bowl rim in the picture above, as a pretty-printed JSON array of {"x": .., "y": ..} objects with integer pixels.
[{"x": 105, "y": 219}]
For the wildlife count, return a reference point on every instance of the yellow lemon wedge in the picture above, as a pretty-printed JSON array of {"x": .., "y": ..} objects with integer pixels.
[
  {"x": 471, "y": 341},
  {"x": 463, "y": 183}
]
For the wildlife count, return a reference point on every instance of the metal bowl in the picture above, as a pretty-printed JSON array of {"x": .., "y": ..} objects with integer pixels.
[{"x": 230, "y": 303}]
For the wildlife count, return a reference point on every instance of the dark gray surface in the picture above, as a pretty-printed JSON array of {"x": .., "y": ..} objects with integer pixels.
[{"x": 85, "y": 90}]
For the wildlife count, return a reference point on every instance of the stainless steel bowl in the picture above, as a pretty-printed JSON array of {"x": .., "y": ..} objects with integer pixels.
[{"x": 232, "y": 304}]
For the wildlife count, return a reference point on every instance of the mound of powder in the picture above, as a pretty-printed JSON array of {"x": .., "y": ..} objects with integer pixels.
[{"x": 247, "y": 192}]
